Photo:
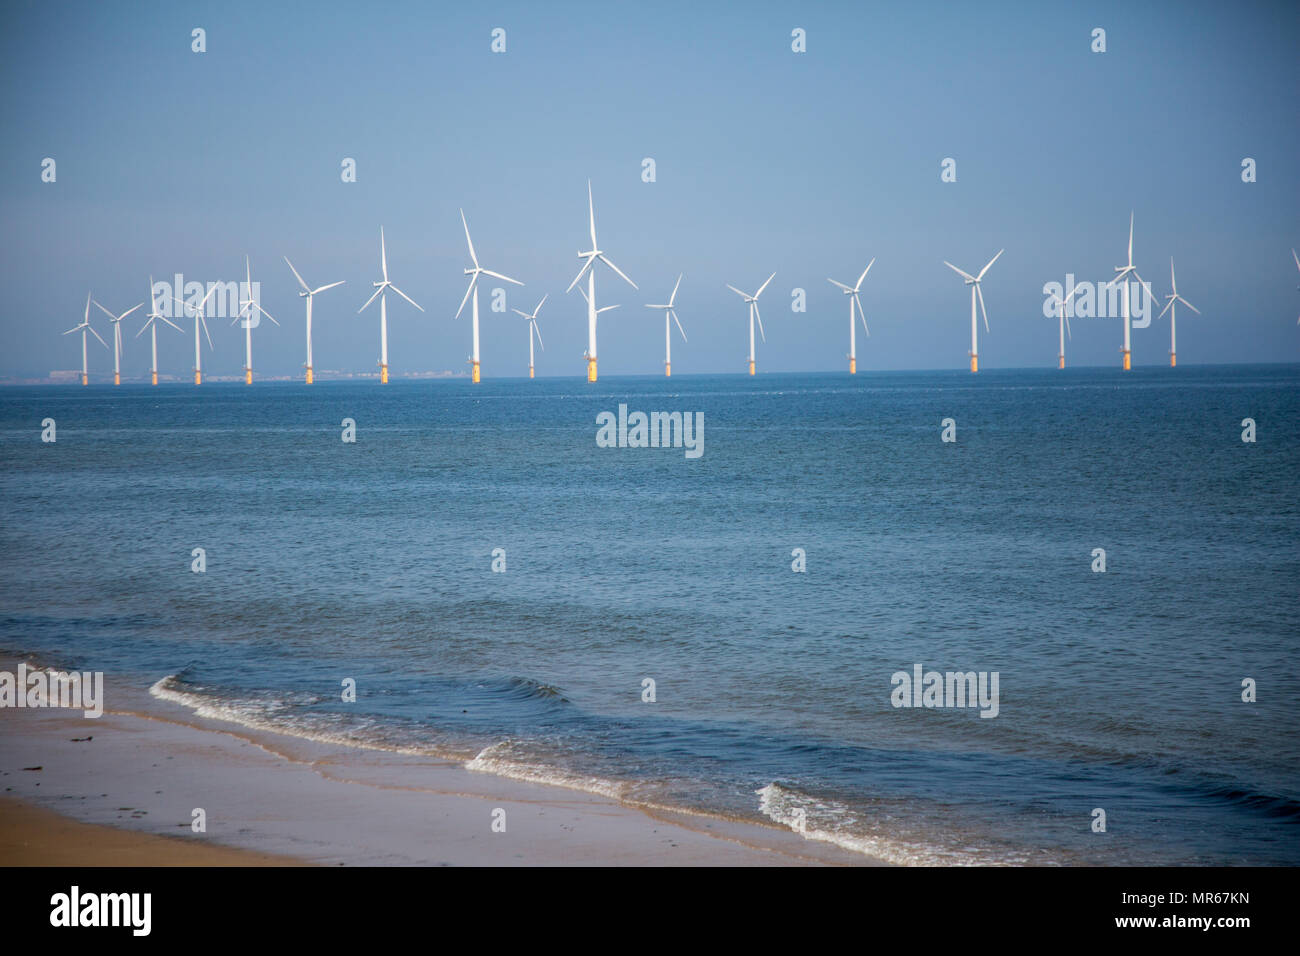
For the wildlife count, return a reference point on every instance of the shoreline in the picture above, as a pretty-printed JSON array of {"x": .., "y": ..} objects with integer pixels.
[{"x": 121, "y": 790}]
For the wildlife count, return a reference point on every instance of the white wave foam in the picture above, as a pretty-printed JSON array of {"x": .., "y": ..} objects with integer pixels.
[
  {"x": 257, "y": 715},
  {"x": 494, "y": 759},
  {"x": 830, "y": 822}
]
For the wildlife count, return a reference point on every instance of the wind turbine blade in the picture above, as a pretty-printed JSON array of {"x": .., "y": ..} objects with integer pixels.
[
  {"x": 673, "y": 297},
  {"x": 1130, "y": 237},
  {"x": 182, "y": 304},
  {"x": 524, "y": 314},
  {"x": 606, "y": 309},
  {"x": 679, "y": 325},
  {"x": 1173, "y": 283},
  {"x": 71, "y": 330},
  {"x": 1146, "y": 285},
  {"x": 305, "y": 287},
  {"x": 1168, "y": 305},
  {"x": 618, "y": 270},
  {"x": 468, "y": 240},
  {"x": 958, "y": 271},
  {"x": 87, "y": 318},
  {"x": 583, "y": 293},
  {"x": 735, "y": 290},
  {"x": 172, "y": 324},
  {"x": 1189, "y": 305},
  {"x": 204, "y": 322},
  {"x": 104, "y": 310},
  {"x": 128, "y": 312},
  {"x": 204, "y": 300},
  {"x": 405, "y": 296},
  {"x": 591, "y": 209},
  {"x": 540, "y": 304},
  {"x": 764, "y": 285},
  {"x": 258, "y": 306},
  {"x": 862, "y": 315},
  {"x": 96, "y": 335},
  {"x": 371, "y": 299},
  {"x": 980, "y": 293},
  {"x": 581, "y": 272},
  {"x": 864, "y": 273},
  {"x": 840, "y": 284},
  {"x": 1296, "y": 258},
  {"x": 1068, "y": 334},
  {"x": 383, "y": 254},
  {"x": 991, "y": 261},
  {"x": 142, "y": 329},
  {"x": 470, "y": 289},
  {"x": 760, "y": 322},
  {"x": 330, "y": 286},
  {"x": 497, "y": 275}
]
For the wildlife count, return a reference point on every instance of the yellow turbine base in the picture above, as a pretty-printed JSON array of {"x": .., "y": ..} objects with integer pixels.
[
  {"x": 84, "y": 379},
  {"x": 198, "y": 377},
  {"x": 1173, "y": 360},
  {"x": 974, "y": 363},
  {"x": 308, "y": 374},
  {"x": 117, "y": 378},
  {"x": 474, "y": 375},
  {"x": 248, "y": 376},
  {"x": 1061, "y": 362},
  {"x": 1128, "y": 363},
  {"x": 751, "y": 366},
  {"x": 853, "y": 366},
  {"x": 530, "y": 371},
  {"x": 591, "y": 369},
  {"x": 155, "y": 378},
  {"x": 383, "y": 375}
]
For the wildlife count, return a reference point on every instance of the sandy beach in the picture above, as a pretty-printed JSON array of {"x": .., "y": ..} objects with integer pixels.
[{"x": 121, "y": 790}]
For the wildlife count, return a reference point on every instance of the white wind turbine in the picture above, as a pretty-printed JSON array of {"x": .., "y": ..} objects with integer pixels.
[
  {"x": 473, "y": 290},
  {"x": 151, "y": 323},
  {"x": 752, "y": 301},
  {"x": 974, "y": 283},
  {"x": 252, "y": 307},
  {"x": 116, "y": 322},
  {"x": 309, "y": 293},
  {"x": 198, "y": 320},
  {"x": 1123, "y": 276},
  {"x": 670, "y": 312},
  {"x": 593, "y": 313},
  {"x": 1063, "y": 321},
  {"x": 1172, "y": 309},
  {"x": 83, "y": 328},
  {"x": 533, "y": 327},
  {"x": 588, "y": 269},
  {"x": 381, "y": 290},
  {"x": 1297, "y": 265},
  {"x": 853, "y": 330}
]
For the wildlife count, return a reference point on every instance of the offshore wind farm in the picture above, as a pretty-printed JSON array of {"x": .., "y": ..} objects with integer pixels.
[{"x": 437, "y": 585}]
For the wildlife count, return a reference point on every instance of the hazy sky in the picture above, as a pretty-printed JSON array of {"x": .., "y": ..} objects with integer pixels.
[{"x": 767, "y": 160}]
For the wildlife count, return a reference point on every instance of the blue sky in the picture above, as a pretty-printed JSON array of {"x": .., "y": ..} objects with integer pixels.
[{"x": 803, "y": 164}]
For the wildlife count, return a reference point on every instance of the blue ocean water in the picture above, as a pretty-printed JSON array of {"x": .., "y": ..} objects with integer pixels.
[{"x": 325, "y": 560}]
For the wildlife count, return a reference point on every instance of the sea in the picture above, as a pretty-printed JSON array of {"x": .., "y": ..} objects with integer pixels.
[{"x": 722, "y": 634}]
